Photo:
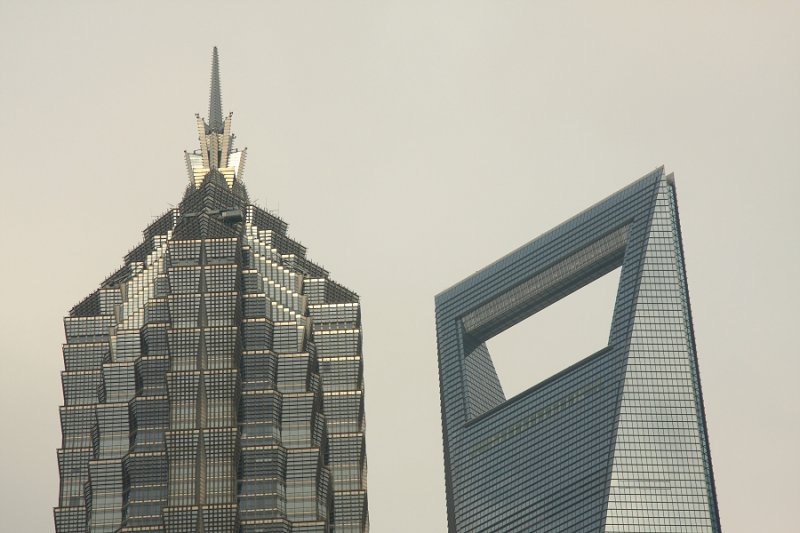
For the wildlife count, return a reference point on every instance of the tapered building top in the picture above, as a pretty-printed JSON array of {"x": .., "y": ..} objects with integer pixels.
[
  {"x": 615, "y": 443},
  {"x": 214, "y": 383},
  {"x": 216, "y": 150}
]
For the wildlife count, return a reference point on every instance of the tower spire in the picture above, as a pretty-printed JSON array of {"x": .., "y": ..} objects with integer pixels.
[
  {"x": 215, "y": 122},
  {"x": 216, "y": 140}
]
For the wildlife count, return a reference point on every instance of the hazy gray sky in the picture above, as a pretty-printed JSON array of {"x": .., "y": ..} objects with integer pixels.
[{"x": 408, "y": 144}]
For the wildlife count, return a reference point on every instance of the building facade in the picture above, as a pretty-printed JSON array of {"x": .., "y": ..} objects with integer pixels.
[
  {"x": 214, "y": 383},
  {"x": 616, "y": 442}
]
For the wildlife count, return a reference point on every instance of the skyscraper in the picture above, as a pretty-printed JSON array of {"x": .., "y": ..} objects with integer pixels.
[
  {"x": 214, "y": 383},
  {"x": 615, "y": 443}
]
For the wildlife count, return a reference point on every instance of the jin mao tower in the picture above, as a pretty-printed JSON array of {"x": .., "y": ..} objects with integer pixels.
[{"x": 214, "y": 383}]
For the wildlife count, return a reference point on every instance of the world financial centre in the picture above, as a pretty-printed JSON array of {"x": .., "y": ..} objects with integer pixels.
[
  {"x": 615, "y": 443},
  {"x": 214, "y": 382}
]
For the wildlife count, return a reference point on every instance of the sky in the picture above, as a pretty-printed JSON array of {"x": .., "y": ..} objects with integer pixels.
[{"x": 409, "y": 144}]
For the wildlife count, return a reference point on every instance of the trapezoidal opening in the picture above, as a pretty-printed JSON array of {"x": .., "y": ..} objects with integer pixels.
[{"x": 556, "y": 337}]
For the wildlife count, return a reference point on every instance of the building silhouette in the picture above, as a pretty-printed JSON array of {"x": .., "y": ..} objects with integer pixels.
[
  {"x": 214, "y": 383},
  {"x": 616, "y": 442}
]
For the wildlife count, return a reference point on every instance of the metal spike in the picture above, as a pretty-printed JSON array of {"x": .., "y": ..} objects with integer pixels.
[{"x": 215, "y": 122}]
